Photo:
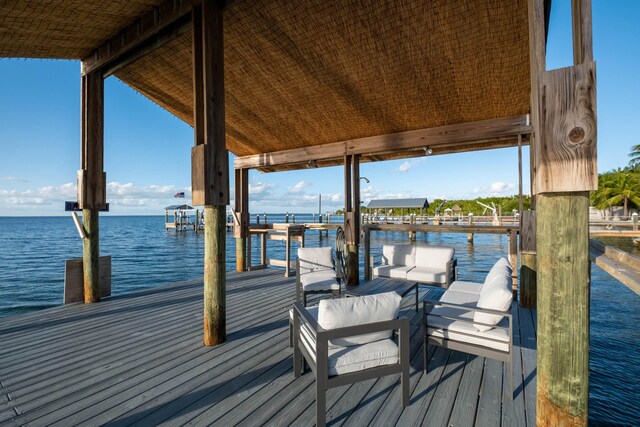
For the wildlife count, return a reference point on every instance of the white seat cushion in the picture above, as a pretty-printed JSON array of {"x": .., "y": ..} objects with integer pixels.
[
  {"x": 471, "y": 287},
  {"x": 399, "y": 255},
  {"x": 356, "y": 358},
  {"x": 339, "y": 313},
  {"x": 461, "y": 298},
  {"x": 315, "y": 259},
  {"x": 427, "y": 275},
  {"x": 394, "y": 272},
  {"x": 433, "y": 256},
  {"x": 322, "y": 280}
]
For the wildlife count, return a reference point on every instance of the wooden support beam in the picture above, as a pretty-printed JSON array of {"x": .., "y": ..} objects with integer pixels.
[
  {"x": 210, "y": 172},
  {"x": 582, "y": 33},
  {"x": 528, "y": 270},
  {"x": 352, "y": 217},
  {"x": 446, "y": 138},
  {"x": 153, "y": 29},
  {"x": 621, "y": 265},
  {"x": 241, "y": 217},
  {"x": 565, "y": 157},
  {"x": 563, "y": 309},
  {"x": 513, "y": 260},
  {"x": 92, "y": 179}
]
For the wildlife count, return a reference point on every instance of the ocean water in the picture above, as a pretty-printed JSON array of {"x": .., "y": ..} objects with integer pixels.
[{"x": 144, "y": 254}]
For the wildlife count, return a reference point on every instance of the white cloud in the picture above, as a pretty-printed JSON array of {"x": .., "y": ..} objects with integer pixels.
[
  {"x": 154, "y": 197},
  {"x": 12, "y": 178},
  {"x": 299, "y": 187},
  {"x": 261, "y": 188},
  {"x": 501, "y": 187},
  {"x": 404, "y": 167},
  {"x": 497, "y": 188}
]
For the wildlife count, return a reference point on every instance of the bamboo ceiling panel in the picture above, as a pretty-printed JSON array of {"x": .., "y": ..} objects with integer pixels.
[
  {"x": 63, "y": 29},
  {"x": 307, "y": 73},
  {"x": 304, "y": 73}
]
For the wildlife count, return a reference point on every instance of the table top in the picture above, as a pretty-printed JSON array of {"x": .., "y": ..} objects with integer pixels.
[{"x": 380, "y": 285}]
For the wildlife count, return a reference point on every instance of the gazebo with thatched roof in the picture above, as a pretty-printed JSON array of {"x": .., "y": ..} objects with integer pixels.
[{"x": 286, "y": 85}]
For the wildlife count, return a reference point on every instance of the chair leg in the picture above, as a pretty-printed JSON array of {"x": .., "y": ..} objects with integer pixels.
[
  {"x": 304, "y": 298},
  {"x": 290, "y": 333},
  {"x": 298, "y": 362},
  {"x": 321, "y": 405},
  {"x": 417, "y": 299},
  {"x": 425, "y": 352}
]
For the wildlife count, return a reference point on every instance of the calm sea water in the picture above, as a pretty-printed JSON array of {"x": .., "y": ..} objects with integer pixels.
[{"x": 33, "y": 250}]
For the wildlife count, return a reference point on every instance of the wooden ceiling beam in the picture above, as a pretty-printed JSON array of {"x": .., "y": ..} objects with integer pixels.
[
  {"x": 150, "y": 31},
  {"x": 469, "y": 136}
]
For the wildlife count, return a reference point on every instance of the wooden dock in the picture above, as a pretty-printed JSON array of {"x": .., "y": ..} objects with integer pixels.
[{"x": 138, "y": 359}]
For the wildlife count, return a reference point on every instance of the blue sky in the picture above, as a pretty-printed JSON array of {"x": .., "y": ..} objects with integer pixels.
[{"x": 147, "y": 150}]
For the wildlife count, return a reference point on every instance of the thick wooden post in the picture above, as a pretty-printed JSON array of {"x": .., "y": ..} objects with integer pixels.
[
  {"x": 563, "y": 309},
  {"x": 92, "y": 179},
  {"x": 367, "y": 253},
  {"x": 513, "y": 260},
  {"x": 241, "y": 217},
  {"x": 565, "y": 171},
  {"x": 352, "y": 216},
  {"x": 210, "y": 160},
  {"x": 528, "y": 268}
]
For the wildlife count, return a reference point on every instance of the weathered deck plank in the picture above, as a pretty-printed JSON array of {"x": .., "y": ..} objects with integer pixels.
[{"x": 138, "y": 360}]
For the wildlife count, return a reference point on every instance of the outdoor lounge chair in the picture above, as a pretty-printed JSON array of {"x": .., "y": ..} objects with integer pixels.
[
  {"x": 350, "y": 340},
  {"x": 316, "y": 273},
  {"x": 474, "y": 318}
]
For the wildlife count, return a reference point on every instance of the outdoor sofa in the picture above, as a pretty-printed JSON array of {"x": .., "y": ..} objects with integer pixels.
[
  {"x": 427, "y": 264},
  {"x": 474, "y": 318}
]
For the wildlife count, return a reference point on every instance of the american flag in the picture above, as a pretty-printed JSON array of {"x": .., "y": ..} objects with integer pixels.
[{"x": 179, "y": 195}]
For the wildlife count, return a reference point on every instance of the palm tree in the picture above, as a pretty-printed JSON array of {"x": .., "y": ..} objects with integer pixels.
[
  {"x": 635, "y": 157},
  {"x": 615, "y": 187}
]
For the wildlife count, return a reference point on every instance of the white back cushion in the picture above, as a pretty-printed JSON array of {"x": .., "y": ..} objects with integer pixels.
[
  {"x": 495, "y": 295},
  {"x": 433, "y": 256},
  {"x": 338, "y": 313},
  {"x": 401, "y": 255},
  {"x": 315, "y": 259},
  {"x": 500, "y": 268}
]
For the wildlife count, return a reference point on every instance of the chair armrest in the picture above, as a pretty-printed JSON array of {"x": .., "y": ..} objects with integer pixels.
[
  {"x": 301, "y": 313},
  {"x": 425, "y": 303},
  {"x": 452, "y": 270}
]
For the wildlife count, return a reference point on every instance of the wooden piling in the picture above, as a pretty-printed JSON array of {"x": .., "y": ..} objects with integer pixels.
[
  {"x": 528, "y": 267},
  {"x": 470, "y": 223},
  {"x": 210, "y": 160},
  {"x": 91, "y": 255},
  {"x": 92, "y": 179},
  {"x": 214, "y": 275},
  {"x": 565, "y": 150},
  {"x": 563, "y": 308}
]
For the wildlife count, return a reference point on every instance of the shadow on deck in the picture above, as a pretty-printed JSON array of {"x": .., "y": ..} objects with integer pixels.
[{"x": 139, "y": 359}]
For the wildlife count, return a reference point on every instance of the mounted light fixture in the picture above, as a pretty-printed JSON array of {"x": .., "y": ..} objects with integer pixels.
[
  {"x": 312, "y": 164},
  {"x": 428, "y": 151},
  {"x": 365, "y": 178}
]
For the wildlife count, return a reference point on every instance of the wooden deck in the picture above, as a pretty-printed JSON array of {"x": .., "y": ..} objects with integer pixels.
[{"x": 138, "y": 359}]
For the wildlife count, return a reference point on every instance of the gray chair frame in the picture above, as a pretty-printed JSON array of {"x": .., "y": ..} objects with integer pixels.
[
  {"x": 320, "y": 365},
  {"x": 301, "y": 294},
  {"x": 466, "y": 347}
]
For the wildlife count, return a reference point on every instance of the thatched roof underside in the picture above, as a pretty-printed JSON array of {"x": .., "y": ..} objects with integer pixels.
[{"x": 306, "y": 73}]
